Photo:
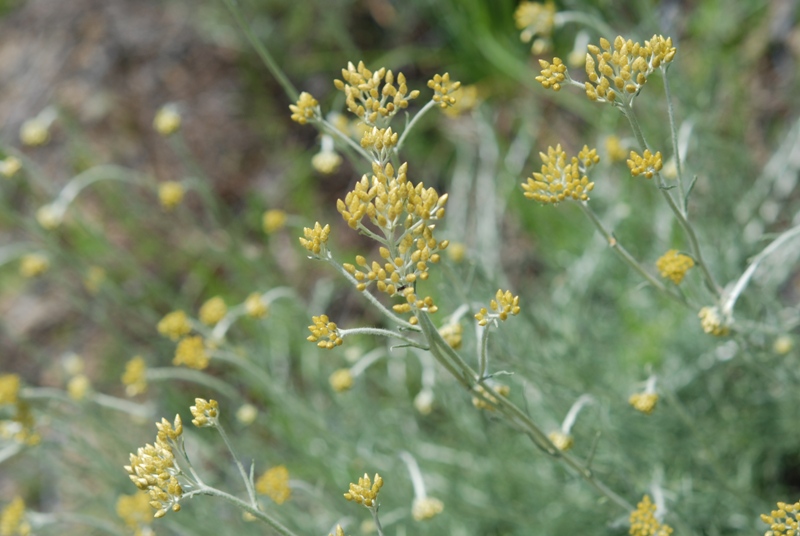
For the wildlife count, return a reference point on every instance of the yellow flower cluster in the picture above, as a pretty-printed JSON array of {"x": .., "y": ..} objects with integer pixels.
[
  {"x": 504, "y": 304},
  {"x": 255, "y": 306},
  {"x": 9, "y": 389},
  {"x": 616, "y": 74},
  {"x": 134, "y": 510},
  {"x": 272, "y": 220},
  {"x": 274, "y": 483},
  {"x": 422, "y": 509},
  {"x": 452, "y": 334},
  {"x": 323, "y": 328},
  {"x": 339, "y": 531},
  {"x": 559, "y": 180},
  {"x": 191, "y": 351},
  {"x": 326, "y": 162},
  {"x": 673, "y": 265},
  {"x": 170, "y": 194},
  {"x": 365, "y": 492},
  {"x": 553, "y": 74},
  {"x": 306, "y": 109},
  {"x": 341, "y": 380},
  {"x": 135, "y": 376},
  {"x": 644, "y": 402},
  {"x": 174, "y": 325},
  {"x": 443, "y": 90},
  {"x": 373, "y": 96},
  {"x": 316, "y": 238},
  {"x": 49, "y": 217},
  {"x": 648, "y": 164},
  {"x": 380, "y": 141},
  {"x": 488, "y": 401},
  {"x": 153, "y": 469},
  {"x": 536, "y": 22},
  {"x": 615, "y": 150},
  {"x": 711, "y": 322},
  {"x": 562, "y": 441},
  {"x": 33, "y": 265},
  {"x": 12, "y": 519},
  {"x": 21, "y": 427},
  {"x": 785, "y": 521},
  {"x": 212, "y": 311},
  {"x": 205, "y": 412},
  {"x": 644, "y": 523}
]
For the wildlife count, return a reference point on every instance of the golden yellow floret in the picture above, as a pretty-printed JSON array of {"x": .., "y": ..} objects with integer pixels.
[
  {"x": 452, "y": 335},
  {"x": 674, "y": 265},
  {"x": 274, "y": 483},
  {"x": 205, "y": 412},
  {"x": 647, "y": 164},
  {"x": 212, "y": 311},
  {"x": 426, "y": 508},
  {"x": 12, "y": 519},
  {"x": 644, "y": 523},
  {"x": 315, "y": 238},
  {"x": 33, "y": 265},
  {"x": 562, "y": 441},
  {"x": 135, "y": 376},
  {"x": 443, "y": 90},
  {"x": 535, "y": 20},
  {"x": 644, "y": 402},
  {"x": 306, "y": 109},
  {"x": 341, "y": 380},
  {"x": 504, "y": 304},
  {"x": 153, "y": 469},
  {"x": 561, "y": 177},
  {"x": 174, "y": 325},
  {"x": 366, "y": 491},
  {"x": 324, "y": 328},
  {"x": 170, "y": 194},
  {"x": 339, "y": 531},
  {"x": 255, "y": 306},
  {"x": 553, "y": 74},
  {"x": 785, "y": 521},
  {"x": 272, "y": 220},
  {"x": 614, "y": 149},
  {"x": 169, "y": 431},
  {"x": 326, "y": 162},
  {"x": 167, "y": 120},
  {"x": 9, "y": 389},
  {"x": 191, "y": 351},
  {"x": 375, "y": 97},
  {"x": 712, "y": 323},
  {"x": 135, "y": 511},
  {"x": 78, "y": 387},
  {"x": 487, "y": 400}
]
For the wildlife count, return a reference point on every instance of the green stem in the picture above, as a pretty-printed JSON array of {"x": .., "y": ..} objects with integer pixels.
[
  {"x": 263, "y": 516},
  {"x": 674, "y": 132},
  {"x": 380, "y": 332},
  {"x": 411, "y": 125},
  {"x": 345, "y": 138},
  {"x": 483, "y": 358},
  {"x": 262, "y": 51},
  {"x": 247, "y": 482},
  {"x": 563, "y": 17}
]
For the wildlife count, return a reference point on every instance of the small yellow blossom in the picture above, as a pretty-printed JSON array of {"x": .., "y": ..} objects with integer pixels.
[
  {"x": 339, "y": 531},
  {"x": 212, "y": 311},
  {"x": 451, "y": 333},
  {"x": 324, "y": 328},
  {"x": 614, "y": 149},
  {"x": 488, "y": 401},
  {"x": 191, "y": 351},
  {"x": 306, "y": 109},
  {"x": 135, "y": 511},
  {"x": 380, "y": 142},
  {"x": 553, "y": 74},
  {"x": 443, "y": 90},
  {"x": 711, "y": 322},
  {"x": 783, "y": 345},
  {"x": 648, "y": 164},
  {"x": 78, "y": 387},
  {"x": 34, "y": 132},
  {"x": 785, "y": 521},
  {"x": 274, "y": 483},
  {"x": 170, "y": 194},
  {"x": 21, "y": 427},
  {"x": 422, "y": 509},
  {"x": 457, "y": 251},
  {"x": 341, "y": 380},
  {"x": 255, "y": 306},
  {"x": 673, "y": 265},
  {"x": 326, "y": 162},
  {"x": 205, "y": 412},
  {"x": 49, "y": 217},
  {"x": 246, "y": 414},
  {"x": 94, "y": 279},
  {"x": 644, "y": 523},
  {"x": 174, "y": 325},
  {"x": 135, "y": 376},
  {"x": 559, "y": 180},
  {"x": 504, "y": 304},
  {"x": 644, "y": 402},
  {"x": 12, "y": 519},
  {"x": 562, "y": 441},
  {"x": 316, "y": 238},
  {"x": 167, "y": 120},
  {"x": 9, "y": 389},
  {"x": 33, "y": 265},
  {"x": 467, "y": 98},
  {"x": 272, "y": 220},
  {"x": 373, "y": 96},
  {"x": 9, "y": 166},
  {"x": 365, "y": 492},
  {"x": 536, "y": 21},
  {"x": 153, "y": 469}
]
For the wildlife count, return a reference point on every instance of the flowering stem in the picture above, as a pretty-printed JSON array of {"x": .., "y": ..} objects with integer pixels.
[
  {"x": 430, "y": 104},
  {"x": 625, "y": 255},
  {"x": 415, "y": 473},
  {"x": 380, "y": 332},
  {"x": 345, "y": 138},
  {"x": 679, "y": 214},
  {"x": 263, "y": 516},
  {"x": 374, "y": 511},
  {"x": 366, "y": 361},
  {"x": 674, "y": 131},
  {"x": 483, "y": 357},
  {"x": 247, "y": 482},
  {"x": 563, "y": 17},
  {"x": 262, "y": 51}
]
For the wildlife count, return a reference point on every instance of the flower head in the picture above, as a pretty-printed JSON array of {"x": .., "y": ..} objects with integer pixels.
[
  {"x": 34, "y": 132},
  {"x": 78, "y": 387},
  {"x": 785, "y": 521},
  {"x": 33, "y": 265},
  {"x": 560, "y": 180},
  {"x": 504, "y": 304},
  {"x": 615, "y": 150},
  {"x": 153, "y": 469},
  {"x": 212, "y": 311},
  {"x": 452, "y": 333},
  {"x": 674, "y": 265},
  {"x": 365, "y": 492},
  {"x": 712, "y": 323},
  {"x": 246, "y": 414},
  {"x": 49, "y": 217},
  {"x": 9, "y": 389},
  {"x": 324, "y": 328},
  {"x": 191, "y": 351},
  {"x": 373, "y": 96},
  {"x": 134, "y": 510},
  {"x": 274, "y": 483},
  {"x": 255, "y": 306},
  {"x": 205, "y": 412},
  {"x": 552, "y": 74},
  {"x": 426, "y": 508},
  {"x": 135, "y": 376},
  {"x": 167, "y": 120},
  {"x": 170, "y": 194},
  {"x": 644, "y": 402},
  {"x": 536, "y": 22},
  {"x": 316, "y": 238},
  {"x": 443, "y": 90},
  {"x": 561, "y": 440},
  {"x": 174, "y": 325},
  {"x": 306, "y": 109},
  {"x": 12, "y": 519},
  {"x": 487, "y": 400},
  {"x": 272, "y": 220},
  {"x": 341, "y": 380},
  {"x": 644, "y": 523},
  {"x": 9, "y": 166},
  {"x": 648, "y": 164}
]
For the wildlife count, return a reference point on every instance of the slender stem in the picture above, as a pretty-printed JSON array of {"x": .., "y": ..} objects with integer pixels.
[
  {"x": 247, "y": 482},
  {"x": 366, "y": 361},
  {"x": 374, "y": 511},
  {"x": 380, "y": 332},
  {"x": 627, "y": 257},
  {"x": 563, "y": 17},
  {"x": 120, "y": 404},
  {"x": 263, "y": 516},
  {"x": 411, "y": 124},
  {"x": 331, "y": 128},
  {"x": 674, "y": 131},
  {"x": 262, "y": 51},
  {"x": 414, "y": 473},
  {"x": 483, "y": 357}
]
